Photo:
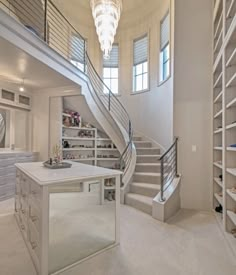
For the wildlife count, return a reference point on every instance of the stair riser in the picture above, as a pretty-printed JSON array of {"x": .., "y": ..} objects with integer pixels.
[
  {"x": 143, "y": 144},
  {"x": 146, "y": 151},
  {"x": 148, "y": 159},
  {"x": 147, "y": 179},
  {"x": 137, "y": 138},
  {"x": 139, "y": 205},
  {"x": 144, "y": 191},
  {"x": 149, "y": 168}
]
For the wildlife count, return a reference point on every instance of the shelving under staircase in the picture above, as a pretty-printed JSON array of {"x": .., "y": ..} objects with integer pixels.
[{"x": 146, "y": 179}]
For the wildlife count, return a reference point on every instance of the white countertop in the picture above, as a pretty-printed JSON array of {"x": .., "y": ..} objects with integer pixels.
[
  {"x": 12, "y": 152},
  {"x": 78, "y": 172}
]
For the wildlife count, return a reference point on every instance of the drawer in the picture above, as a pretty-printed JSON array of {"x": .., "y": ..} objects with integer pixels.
[
  {"x": 34, "y": 240},
  {"x": 23, "y": 226},
  {"x": 24, "y": 184},
  {"x": 35, "y": 190},
  {"x": 17, "y": 204},
  {"x": 18, "y": 189},
  {"x": 34, "y": 217},
  {"x": 6, "y": 192}
]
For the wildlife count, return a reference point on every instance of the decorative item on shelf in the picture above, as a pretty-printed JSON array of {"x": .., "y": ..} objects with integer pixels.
[
  {"x": 66, "y": 121},
  {"x": 56, "y": 162},
  {"x": 73, "y": 120},
  {"x": 65, "y": 144}
]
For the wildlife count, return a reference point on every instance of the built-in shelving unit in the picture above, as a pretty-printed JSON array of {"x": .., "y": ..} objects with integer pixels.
[
  {"x": 224, "y": 114},
  {"x": 87, "y": 144}
]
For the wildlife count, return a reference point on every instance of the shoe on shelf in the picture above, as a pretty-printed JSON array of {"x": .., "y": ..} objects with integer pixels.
[
  {"x": 221, "y": 177},
  {"x": 233, "y": 190},
  {"x": 114, "y": 195},
  {"x": 219, "y": 209},
  {"x": 233, "y": 145},
  {"x": 109, "y": 196}
]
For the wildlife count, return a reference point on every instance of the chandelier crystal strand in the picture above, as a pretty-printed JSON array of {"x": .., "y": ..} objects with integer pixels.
[{"x": 106, "y": 14}]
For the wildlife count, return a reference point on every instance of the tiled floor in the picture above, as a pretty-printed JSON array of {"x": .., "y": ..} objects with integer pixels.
[{"x": 191, "y": 244}]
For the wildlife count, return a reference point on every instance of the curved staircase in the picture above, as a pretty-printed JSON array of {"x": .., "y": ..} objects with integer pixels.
[{"x": 146, "y": 179}]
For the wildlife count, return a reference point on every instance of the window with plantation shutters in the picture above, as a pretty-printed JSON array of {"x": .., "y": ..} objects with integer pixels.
[
  {"x": 111, "y": 70},
  {"x": 77, "y": 51},
  {"x": 141, "y": 50},
  {"x": 165, "y": 48},
  {"x": 140, "y": 64}
]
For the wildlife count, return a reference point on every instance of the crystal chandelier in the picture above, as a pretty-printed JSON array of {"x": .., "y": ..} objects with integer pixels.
[{"x": 106, "y": 14}]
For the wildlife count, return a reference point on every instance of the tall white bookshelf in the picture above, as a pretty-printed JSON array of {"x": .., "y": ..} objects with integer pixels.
[{"x": 224, "y": 114}]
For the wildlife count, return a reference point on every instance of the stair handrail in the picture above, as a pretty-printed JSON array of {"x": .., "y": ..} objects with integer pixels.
[{"x": 169, "y": 167}]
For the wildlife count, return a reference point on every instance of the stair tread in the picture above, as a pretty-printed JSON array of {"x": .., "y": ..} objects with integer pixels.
[
  {"x": 158, "y": 156},
  {"x": 146, "y": 185},
  {"x": 147, "y": 174},
  {"x": 144, "y": 199},
  {"x": 147, "y": 148},
  {"x": 147, "y": 164}
]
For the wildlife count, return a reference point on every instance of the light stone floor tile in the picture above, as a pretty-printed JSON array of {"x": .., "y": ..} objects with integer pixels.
[{"x": 191, "y": 243}]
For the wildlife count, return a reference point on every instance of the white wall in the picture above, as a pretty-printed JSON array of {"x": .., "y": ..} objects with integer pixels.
[
  {"x": 192, "y": 99},
  {"x": 40, "y": 114},
  {"x": 151, "y": 112}
]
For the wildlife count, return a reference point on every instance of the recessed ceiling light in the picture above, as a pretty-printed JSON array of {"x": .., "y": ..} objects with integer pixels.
[{"x": 21, "y": 89}]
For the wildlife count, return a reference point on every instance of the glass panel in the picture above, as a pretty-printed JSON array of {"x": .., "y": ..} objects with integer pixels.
[
  {"x": 8, "y": 95},
  {"x": 166, "y": 54},
  {"x": 24, "y": 100},
  {"x": 145, "y": 67},
  {"x": 114, "y": 86},
  {"x": 139, "y": 69},
  {"x": 4, "y": 128},
  {"x": 82, "y": 221},
  {"x": 161, "y": 66},
  {"x": 106, "y": 72},
  {"x": 114, "y": 72},
  {"x": 145, "y": 81},
  {"x": 108, "y": 84},
  {"x": 139, "y": 83},
  {"x": 165, "y": 70}
]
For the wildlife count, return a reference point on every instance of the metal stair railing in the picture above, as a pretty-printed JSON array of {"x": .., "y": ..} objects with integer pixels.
[{"x": 169, "y": 168}]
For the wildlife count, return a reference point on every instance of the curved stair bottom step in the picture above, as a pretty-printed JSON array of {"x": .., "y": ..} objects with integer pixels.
[
  {"x": 145, "y": 189},
  {"x": 140, "y": 202}
]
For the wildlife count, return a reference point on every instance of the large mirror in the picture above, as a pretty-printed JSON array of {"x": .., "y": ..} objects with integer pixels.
[{"x": 2, "y": 128}]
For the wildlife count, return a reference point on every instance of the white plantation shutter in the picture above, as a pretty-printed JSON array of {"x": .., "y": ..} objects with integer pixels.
[
  {"x": 165, "y": 30},
  {"x": 141, "y": 50},
  {"x": 113, "y": 61}
]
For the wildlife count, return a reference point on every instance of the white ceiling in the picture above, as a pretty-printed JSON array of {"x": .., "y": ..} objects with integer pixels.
[
  {"x": 80, "y": 11},
  {"x": 128, "y": 5},
  {"x": 16, "y": 65}
]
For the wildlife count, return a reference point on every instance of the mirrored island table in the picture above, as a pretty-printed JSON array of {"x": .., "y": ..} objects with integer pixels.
[{"x": 66, "y": 215}]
